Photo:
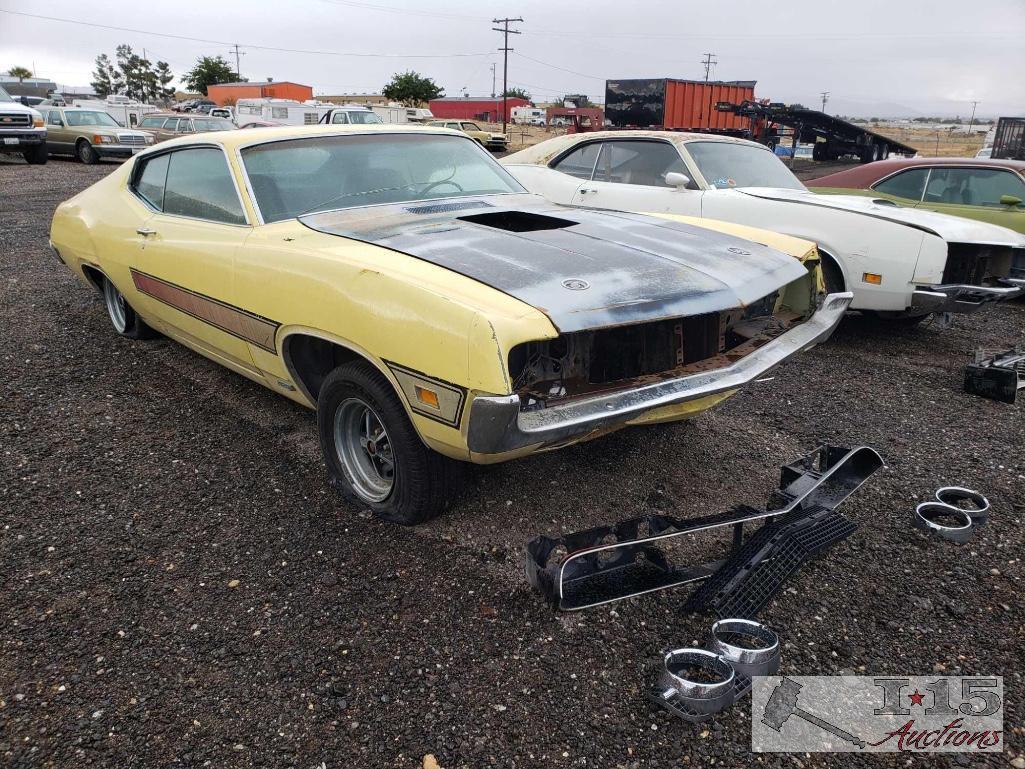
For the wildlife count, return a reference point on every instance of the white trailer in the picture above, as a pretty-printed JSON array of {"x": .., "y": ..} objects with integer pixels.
[
  {"x": 396, "y": 113},
  {"x": 125, "y": 111},
  {"x": 527, "y": 116}
]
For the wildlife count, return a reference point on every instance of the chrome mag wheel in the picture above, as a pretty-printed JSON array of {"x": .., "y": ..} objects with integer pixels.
[
  {"x": 115, "y": 306},
  {"x": 364, "y": 449}
]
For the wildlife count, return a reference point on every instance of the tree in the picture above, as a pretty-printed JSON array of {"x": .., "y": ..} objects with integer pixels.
[
  {"x": 517, "y": 93},
  {"x": 412, "y": 89},
  {"x": 132, "y": 76},
  {"x": 20, "y": 72},
  {"x": 208, "y": 71}
]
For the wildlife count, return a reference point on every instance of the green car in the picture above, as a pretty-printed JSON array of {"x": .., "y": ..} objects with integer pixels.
[{"x": 976, "y": 188}]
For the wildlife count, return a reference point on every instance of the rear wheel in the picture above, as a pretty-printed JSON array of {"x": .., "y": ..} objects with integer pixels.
[
  {"x": 372, "y": 451},
  {"x": 85, "y": 152},
  {"x": 36, "y": 156},
  {"x": 124, "y": 319}
]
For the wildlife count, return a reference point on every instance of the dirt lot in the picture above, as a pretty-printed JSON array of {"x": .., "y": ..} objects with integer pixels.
[{"x": 182, "y": 588}]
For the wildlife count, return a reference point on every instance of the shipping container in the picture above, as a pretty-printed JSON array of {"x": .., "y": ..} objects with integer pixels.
[{"x": 687, "y": 105}]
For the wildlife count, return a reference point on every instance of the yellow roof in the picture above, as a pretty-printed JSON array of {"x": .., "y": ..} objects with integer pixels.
[{"x": 244, "y": 137}]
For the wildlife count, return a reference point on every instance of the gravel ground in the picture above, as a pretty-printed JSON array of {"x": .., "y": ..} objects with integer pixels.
[{"x": 180, "y": 587}]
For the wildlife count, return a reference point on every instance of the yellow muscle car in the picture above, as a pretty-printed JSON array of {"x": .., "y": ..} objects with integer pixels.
[{"x": 401, "y": 282}]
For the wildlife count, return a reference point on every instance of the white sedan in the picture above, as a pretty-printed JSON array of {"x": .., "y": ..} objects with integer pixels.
[{"x": 899, "y": 262}]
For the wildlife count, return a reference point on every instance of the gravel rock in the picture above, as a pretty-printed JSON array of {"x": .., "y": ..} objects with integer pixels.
[{"x": 152, "y": 472}]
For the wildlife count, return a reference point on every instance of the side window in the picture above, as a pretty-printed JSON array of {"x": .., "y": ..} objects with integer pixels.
[
  {"x": 151, "y": 122},
  {"x": 184, "y": 126},
  {"x": 55, "y": 118},
  {"x": 471, "y": 127},
  {"x": 339, "y": 118},
  {"x": 906, "y": 184},
  {"x": 199, "y": 185},
  {"x": 150, "y": 181},
  {"x": 279, "y": 113},
  {"x": 638, "y": 162},
  {"x": 580, "y": 162},
  {"x": 452, "y": 125},
  {"x": 985, "y": 186}
]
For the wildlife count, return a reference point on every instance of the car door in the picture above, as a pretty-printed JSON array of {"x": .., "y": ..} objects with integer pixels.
[
  {"x": 630, "y": 175},
  {"x": 184, "y": 267},
  {"x": 58, "y": 135},
  {"x": 975, "y": 193}
]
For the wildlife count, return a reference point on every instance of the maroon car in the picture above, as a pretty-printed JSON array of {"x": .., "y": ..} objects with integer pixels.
[{"x": 977, "y": 188}]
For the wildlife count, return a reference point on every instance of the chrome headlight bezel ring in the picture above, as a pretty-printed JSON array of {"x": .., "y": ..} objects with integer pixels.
[
  {"x": 925, "y": 513},
  {"x": 951, "y": 495}
]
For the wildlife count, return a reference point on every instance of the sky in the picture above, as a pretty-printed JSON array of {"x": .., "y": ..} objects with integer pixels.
[{"x": 875, "y": 57}]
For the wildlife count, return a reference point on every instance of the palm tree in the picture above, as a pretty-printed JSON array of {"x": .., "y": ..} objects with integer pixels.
[{"x": 20, "y": 72}]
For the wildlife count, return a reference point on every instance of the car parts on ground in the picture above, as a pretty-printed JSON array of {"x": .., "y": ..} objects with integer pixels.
[
  {"x": 631, "y": 557},
  {"x": 695, "y": 684},
  {"x": 996, "y": 374},
  {"x": 954, "y": 515}
]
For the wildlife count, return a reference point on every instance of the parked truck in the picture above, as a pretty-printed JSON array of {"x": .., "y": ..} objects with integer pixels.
[{"x": 22, "y": 131}]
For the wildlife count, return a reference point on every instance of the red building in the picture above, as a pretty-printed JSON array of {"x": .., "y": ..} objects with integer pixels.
[
  {"x": 232, "y": 92},
  {"x": 484, "y": 108}
]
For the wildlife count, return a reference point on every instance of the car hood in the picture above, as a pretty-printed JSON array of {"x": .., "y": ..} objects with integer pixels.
[
  {"x": 953, "y": 229},
  {"x": 583, "y": 268}
]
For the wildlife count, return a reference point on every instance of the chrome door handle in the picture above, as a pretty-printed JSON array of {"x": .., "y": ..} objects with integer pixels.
[
  {"x": 144, "y": 232},
  {"x": 584, "y": 191}
]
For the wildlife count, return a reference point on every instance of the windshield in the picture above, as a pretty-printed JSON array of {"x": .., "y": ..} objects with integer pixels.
[
  {"x": 212, "y": 124},
  {"x": 90, "y": 117},
  {"x": 726, "y": 165},
  {"x": 364, "y": 118},
  {"x": 4, "y": 96},
  {"x": 299, "y": 176}
]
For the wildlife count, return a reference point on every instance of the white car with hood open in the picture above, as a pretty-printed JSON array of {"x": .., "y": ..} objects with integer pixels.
[{"x": 898, "y": 262}]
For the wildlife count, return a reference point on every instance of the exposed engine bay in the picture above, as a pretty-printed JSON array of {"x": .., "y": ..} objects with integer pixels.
[{"x": 587, "y": 362}]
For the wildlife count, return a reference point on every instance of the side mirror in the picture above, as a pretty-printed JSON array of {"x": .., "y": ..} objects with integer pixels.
[
  {"x": 677, "y": 180},
  {"x": 1010, "y": 200}
]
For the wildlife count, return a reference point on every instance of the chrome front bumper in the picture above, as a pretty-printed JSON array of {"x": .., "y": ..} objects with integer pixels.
[
  {"x": 497, "y": 424},
  {"x": 961, "y": 298}
]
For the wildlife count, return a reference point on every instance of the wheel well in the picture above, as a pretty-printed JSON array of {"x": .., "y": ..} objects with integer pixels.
[
  {"x": 94, "y": 276},
  {"x": 832, "y": 272},
  {"x": 310, "y": 359}
]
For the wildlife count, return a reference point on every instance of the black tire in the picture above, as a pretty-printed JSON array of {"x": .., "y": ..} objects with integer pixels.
[
  {"x": 423, "y": 482},
  {"x": 868, "y": 154},
  {"x": 84, "y": 151},
  {"x": 819, "y": 151},
  {"x": 123, "y": 318},
  {"x": 37, "y": 155}
]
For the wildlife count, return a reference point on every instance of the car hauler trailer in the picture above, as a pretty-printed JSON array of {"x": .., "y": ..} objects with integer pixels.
[
  {"x": 1009, "y": 139},
  {"x": 831, "y": 136}
]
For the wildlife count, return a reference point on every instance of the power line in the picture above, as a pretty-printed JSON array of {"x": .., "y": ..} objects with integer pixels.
[
  {"x": 708, "y": 61},
  {"x": 555, "y": 66},
  {"x": 247, "y": 45},
  {"x": 504, "y": 29},
  {"x": 404, "y": 11}
]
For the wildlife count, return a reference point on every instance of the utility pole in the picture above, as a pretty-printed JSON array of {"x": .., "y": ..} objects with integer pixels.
[
  {"x": 825, "y": 98},
  {"x": 504, "y": 29},
  {"x": 492, "y": 80},
  {"x": 708, "y": 61},
  {"x": 971, "y": 124},
  {"x": 238, "y": 65}
]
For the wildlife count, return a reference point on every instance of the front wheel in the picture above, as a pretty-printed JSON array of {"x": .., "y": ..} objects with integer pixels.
[
  {"x": 36, "y": 155},
  {"x": 373, "y": 454},
  {"x": 86, "y": 153},
  {"x": 124, "y": 319}
]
